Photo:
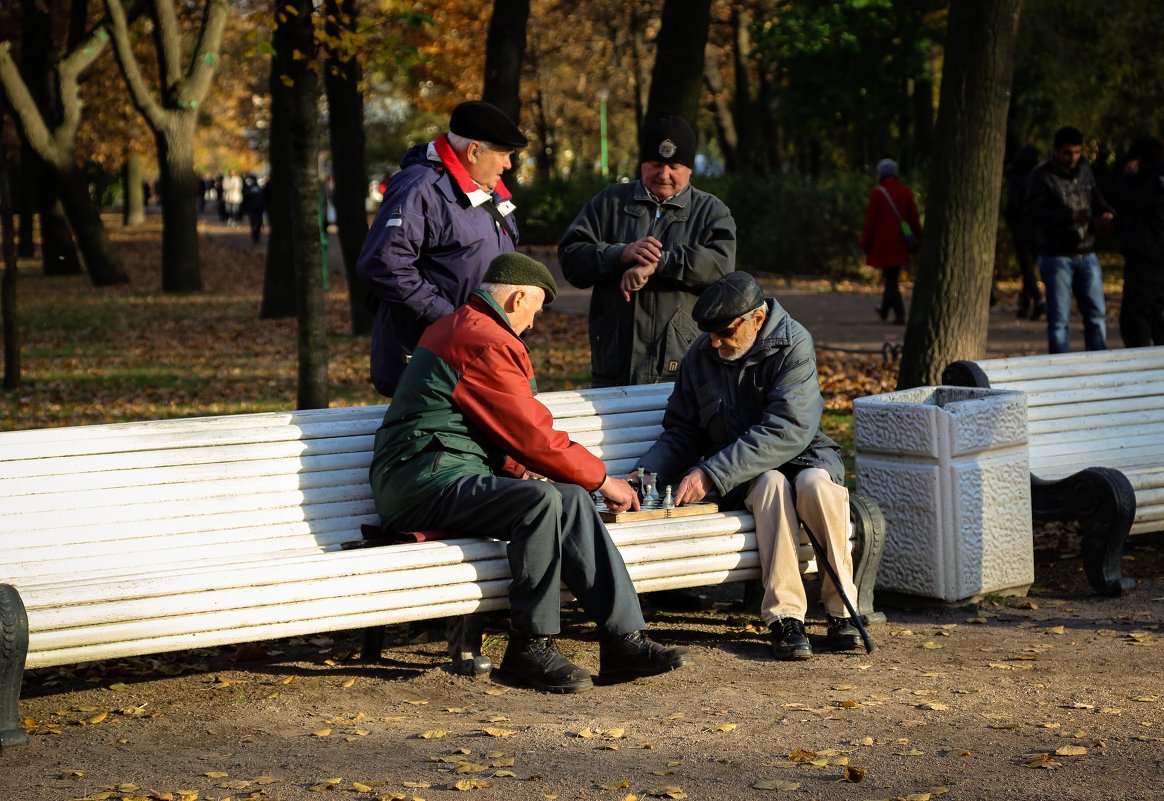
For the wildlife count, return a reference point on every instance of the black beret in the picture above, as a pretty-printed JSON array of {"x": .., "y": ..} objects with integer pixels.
[
  {"x": 668, "y": 139},
  {"x": 725, "y": 301},
  {"x": 484, "y": 122}
]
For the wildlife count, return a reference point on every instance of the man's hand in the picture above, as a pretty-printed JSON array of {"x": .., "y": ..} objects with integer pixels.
[
  {"x": 619, "y": 495},
  {"x": 1103, "y": 221},
  {"x": 642, "y": 252},
  {"x": 694, "y": 487},
  {"x": 635, "y": 279}
]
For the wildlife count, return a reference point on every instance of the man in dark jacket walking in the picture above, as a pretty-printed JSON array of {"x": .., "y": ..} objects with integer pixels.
[
  {"x": 444, "y": 217},
  {"x": 1065, "y": 206},
  {"x": 457, "y": 444},
  {"x": 743, "y": 425},
  {"x": 648, "y": 248},
  {"x": 1141, "y": 224}
]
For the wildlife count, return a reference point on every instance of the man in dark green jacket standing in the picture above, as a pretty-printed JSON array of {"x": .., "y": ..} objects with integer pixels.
[{"x": 648, "y": 248}]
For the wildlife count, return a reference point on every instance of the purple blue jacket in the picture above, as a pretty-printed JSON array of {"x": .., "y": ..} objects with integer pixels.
[{"x": 426, "y": 252}]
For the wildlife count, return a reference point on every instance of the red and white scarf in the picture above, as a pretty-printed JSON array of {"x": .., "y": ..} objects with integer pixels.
[{"x": 440, "y": 150}]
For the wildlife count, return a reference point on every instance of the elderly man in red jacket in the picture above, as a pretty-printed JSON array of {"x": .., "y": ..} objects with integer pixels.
[
  {"x": 462, "y": 432},
  {"x": 892, "y": 234}
]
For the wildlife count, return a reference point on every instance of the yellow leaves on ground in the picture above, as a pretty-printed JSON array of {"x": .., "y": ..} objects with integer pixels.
[
  {"x": 616, "y": 733},
  {"x": 724, "y": 727},
  {"x": 1070, "y": 750},
  {"x": 776, "y": 784},
  {"x": 432, "y": 734},
  {"x": 494, "y": 731},
  {"x": 464, "y": 785}
]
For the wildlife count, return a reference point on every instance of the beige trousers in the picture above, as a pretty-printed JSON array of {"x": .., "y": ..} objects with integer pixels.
[{"x": 778, "y": 509}]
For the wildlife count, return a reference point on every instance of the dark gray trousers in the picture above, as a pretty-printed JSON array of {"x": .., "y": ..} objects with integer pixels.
[{"x": 555, "y": 536}]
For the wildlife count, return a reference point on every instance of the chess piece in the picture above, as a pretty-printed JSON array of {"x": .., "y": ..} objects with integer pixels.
[{"x": 667, "y": 502}]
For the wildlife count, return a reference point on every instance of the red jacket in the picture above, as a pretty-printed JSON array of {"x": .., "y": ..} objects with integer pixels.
[
  {"x": 467, "y": 397},
  {"x": 882, "y": 239}
]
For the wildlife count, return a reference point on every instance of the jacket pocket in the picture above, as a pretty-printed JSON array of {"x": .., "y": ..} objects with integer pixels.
[{"x": 681, "y": 331}]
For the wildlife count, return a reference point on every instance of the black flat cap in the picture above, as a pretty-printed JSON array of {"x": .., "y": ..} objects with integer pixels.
[
  {"x": 725, "y": 301},
  {"x": 484, "y": 122},
  {"x": 668, "y": 139}
]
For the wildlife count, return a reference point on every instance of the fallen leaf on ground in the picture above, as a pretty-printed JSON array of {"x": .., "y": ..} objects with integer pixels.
[
  {"x": 854, "y": 774},
  {"x": 1070, "y": 750},
  {"x": 776, "y": 784},
  {"x": 493, "y": 731}
]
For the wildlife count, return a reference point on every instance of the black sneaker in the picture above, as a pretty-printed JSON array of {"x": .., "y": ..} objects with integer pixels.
[
  {"x": 842, "y": 634},
  {"x": 1039, "y": 310},
  {"x": 789, "y": 640},
  {"x": 635, "y": 655},
  {"x": 536, "y": 662}
]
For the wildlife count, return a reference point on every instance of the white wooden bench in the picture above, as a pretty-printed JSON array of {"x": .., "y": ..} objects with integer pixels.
[
  {"x": 140, "y": 538},
  {"x": 1096, "y": 430}
]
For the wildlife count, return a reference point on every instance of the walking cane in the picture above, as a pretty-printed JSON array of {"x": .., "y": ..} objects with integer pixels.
[{"x": 822, "y": 560}]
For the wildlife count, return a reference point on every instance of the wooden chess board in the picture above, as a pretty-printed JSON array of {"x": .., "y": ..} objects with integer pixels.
[{"x": 656, "y": 512}]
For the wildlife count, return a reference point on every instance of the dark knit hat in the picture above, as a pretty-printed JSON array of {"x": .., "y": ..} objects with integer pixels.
[
  {"x": 519, "y": 269},
  {"x": 484, "y": 122},
  {"x": 668, "y": 139},
  {"x": 725, "y": 301}
]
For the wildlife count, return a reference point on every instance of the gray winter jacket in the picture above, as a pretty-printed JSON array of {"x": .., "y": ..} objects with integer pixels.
[
  {"x": 643, "y": 341},
  {"x": 739, "y": 419}
]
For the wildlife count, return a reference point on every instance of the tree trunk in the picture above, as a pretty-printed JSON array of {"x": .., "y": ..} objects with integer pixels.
[
  {"x": 58, "y": 253},
  {"x": 950, "y": 307},
  {"x": 9, "y": 319},
  {"x": 103, "y": 262},
  {"x": 279, "y": 276},
  {"x": 181, "y": 269},
  {"x": 133, "y": 208},
  {"x": 677, "y": 77},
  {"x": 29, "y": 201},
  {"x": 293, "y": 35},
  {"x": 345, "y": 106},
  {"x": 504, "y": 49}
]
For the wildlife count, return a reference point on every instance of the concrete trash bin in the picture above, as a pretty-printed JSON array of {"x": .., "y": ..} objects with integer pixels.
[{"x": 950, "y": 469}]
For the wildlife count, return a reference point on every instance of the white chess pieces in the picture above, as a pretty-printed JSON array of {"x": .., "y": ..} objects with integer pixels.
[{"x": 668, "y": 503}]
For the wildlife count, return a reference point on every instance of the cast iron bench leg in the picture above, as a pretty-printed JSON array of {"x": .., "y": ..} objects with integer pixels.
[
  {"x": 13, "y": 651},
  {"x": 869, "y": 525},
  {"x": 464, "y": 635},
  {"x": 1103, "y": 501}
]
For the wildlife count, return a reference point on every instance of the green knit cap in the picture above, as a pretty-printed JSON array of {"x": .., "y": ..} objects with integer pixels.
[{"x": 520, "y": 270}]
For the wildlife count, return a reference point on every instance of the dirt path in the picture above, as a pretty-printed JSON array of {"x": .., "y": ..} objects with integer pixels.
[{"x": 955, "y": 701}]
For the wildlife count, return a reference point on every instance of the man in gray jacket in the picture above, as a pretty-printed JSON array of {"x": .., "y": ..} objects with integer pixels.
[
  {"x": 743, "y": 426},
  {"x": 648, "y": 248}
]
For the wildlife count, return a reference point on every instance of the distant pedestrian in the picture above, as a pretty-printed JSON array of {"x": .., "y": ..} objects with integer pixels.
[
  {"x": 254, "y": 205},
  {"x": 1066, "y": 209},
  {"x": 1022, "y": 233},
  {"x": 891, "y": 236},
  {"x": 232, "y": 195},
  {"x": 1140, "y": 202}
]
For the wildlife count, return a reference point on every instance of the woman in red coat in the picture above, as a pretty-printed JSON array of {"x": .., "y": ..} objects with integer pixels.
[{"x": 884, "y": 238}]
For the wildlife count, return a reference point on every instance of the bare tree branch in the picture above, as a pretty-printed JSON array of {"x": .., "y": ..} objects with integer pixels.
[
  {"x": 123, "y": 49},
  {"x": 206, "y": 55},
  {"x": 32, "y": 123}
]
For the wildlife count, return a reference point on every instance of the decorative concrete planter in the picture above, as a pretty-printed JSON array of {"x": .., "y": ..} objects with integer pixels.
[{"x": 949, "y": 468}]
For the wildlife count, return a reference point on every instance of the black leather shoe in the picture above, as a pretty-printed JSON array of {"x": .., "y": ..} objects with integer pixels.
[
  {"x": 535, "y": 662},
  {"x": 842, "y": 634},
  {"x": 1024, "y": 309},
  {"x": 789, "y": 642},
  {"x": 1039, "y": 310},
  {"x": 635, "y": 655},
  {"x": 882, "y": 312}
]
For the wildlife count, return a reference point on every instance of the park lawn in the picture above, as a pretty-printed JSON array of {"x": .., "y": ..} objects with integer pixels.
[{"x": 118, "y": 354}]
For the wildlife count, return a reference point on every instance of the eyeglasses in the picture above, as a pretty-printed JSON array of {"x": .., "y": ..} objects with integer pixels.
[{"x": 731, "y": 330}]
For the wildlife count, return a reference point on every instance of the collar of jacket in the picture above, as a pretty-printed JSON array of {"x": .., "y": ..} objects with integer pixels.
[
  {"x": 483, "y": 302},
  {"x": 439, "y": 150},
  {"x": 772, "y": 337},
  {"x": 675, "y": 202}
]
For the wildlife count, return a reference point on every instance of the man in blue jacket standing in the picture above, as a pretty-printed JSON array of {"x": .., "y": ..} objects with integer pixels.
[{"x": 444, "y": 217}]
